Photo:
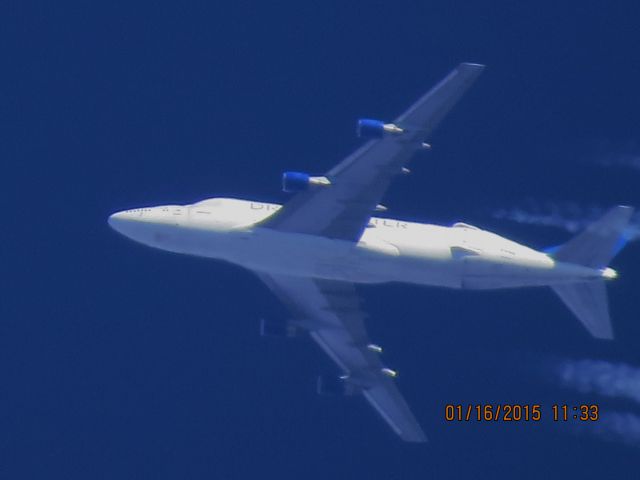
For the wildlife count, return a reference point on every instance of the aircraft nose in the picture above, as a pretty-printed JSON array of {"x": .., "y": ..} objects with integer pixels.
[
  {"x": 114, "y": 218},
  {"x": 120, "y": 220},
  {"x": 142, "y": 224}
]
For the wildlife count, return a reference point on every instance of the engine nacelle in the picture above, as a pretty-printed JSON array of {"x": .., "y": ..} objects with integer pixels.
[
  {"x": 370, "y": 128},
  {"x": 299, "y": 181},
  {"x": 282, "y": 329},
  {"x": 334, "y": 386},
  {"x": 295, "y": 181}
]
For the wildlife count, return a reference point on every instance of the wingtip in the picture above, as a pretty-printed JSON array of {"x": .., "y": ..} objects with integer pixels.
[
  {"x": 626, "y": 208},
  {"x": 607, "y": 336},
  {"x": 477, "y": 66},
  {"x": 417, "y": 437},
  {"x": 624, "y": 212}
]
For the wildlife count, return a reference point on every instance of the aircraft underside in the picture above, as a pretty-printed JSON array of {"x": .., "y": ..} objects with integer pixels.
[
  {"x": 312, "y": 250},
  {"x": 370, "y": 261}
]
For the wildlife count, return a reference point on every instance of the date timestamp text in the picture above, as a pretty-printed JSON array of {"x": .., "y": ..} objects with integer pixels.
[{"x": 516, "y": 412}]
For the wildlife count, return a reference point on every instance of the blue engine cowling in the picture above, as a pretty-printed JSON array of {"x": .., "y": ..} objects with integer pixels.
[
  {"x": 370, "y": 128},
  {"x": 295, "y": 181}
]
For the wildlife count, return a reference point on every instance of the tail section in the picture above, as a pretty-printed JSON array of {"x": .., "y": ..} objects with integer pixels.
[
  {"x": 588, "y": 302},
  {"x": 594, "y": 248},
  {"x": 600, "y": 242}
]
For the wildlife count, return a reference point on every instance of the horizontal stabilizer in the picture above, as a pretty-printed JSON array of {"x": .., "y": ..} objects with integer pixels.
[{"x": 588, "y": 302}]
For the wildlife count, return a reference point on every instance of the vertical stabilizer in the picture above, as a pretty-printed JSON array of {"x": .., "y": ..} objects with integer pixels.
[{"x": 599, "y": 242}]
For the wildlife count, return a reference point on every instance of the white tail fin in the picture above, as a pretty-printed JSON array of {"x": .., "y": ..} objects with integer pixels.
[
  {"x": 599, "y": 242},
  {"x": 594, "y": 248}
]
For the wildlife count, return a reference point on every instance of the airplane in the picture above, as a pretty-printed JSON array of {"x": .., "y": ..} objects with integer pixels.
[{"x": 312, "y": 251}]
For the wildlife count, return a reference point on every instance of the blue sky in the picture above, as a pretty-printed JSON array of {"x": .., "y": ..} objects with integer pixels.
[{"x": 123, "y": 362}]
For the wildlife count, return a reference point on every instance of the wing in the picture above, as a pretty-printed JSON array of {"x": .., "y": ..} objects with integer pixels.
[
  {"x": 358, "y": 183},
  {"x": 331, "y": 312}
]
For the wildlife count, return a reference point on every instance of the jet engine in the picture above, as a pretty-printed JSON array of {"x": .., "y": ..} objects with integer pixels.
[
  {"x": 299, "y": 181},
  {"x": 370, "y": 128}
]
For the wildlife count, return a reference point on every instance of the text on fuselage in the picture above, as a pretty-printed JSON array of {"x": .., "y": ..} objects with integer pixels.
[
  {"x": 386, "y": 222},
  {"x": 373, "y": 222},
  {"x": 264, "y": 206}
]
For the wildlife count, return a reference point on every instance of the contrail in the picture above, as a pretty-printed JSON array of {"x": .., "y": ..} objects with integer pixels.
[
  {"x": 623, "y": 427},
  {"x": 615, "y": 380},
  {"x": 606, "y": 154},
  {"x": 624, "y": 160},
  {"x": 567, "y": 216}
]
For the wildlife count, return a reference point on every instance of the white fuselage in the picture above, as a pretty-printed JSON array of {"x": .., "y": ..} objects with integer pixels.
[{"x": 389, "y": 250}]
